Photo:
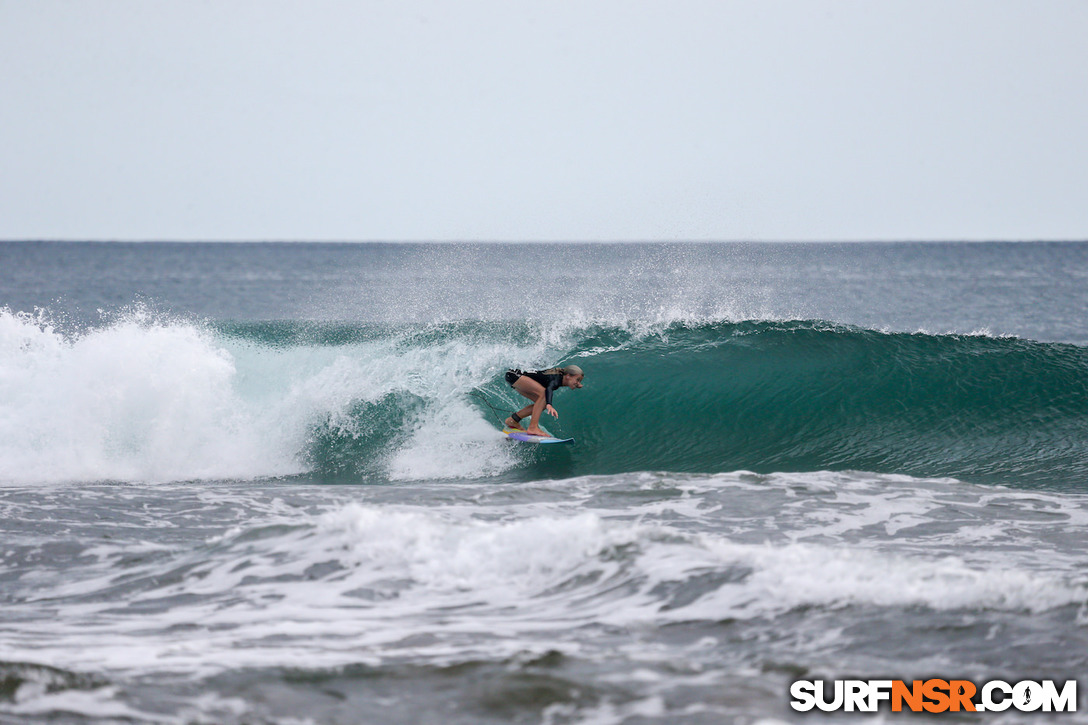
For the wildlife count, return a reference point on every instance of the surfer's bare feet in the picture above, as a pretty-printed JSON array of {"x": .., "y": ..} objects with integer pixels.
[
  {"x": 512, "y": 425},
  {"x": 536, "y": 432}
]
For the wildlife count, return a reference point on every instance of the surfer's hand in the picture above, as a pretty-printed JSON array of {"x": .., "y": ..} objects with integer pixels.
[{"x": 552, "y": 411}]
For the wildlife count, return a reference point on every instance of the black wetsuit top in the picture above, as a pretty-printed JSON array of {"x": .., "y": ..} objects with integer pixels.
[{"x": 550, "y": 381}]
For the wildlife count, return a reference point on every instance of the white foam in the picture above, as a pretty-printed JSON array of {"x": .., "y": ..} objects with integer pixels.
[
  {"x": 138, "y": 400},
  {"x": 508, "y": 559},
  {"x": 796, "y": 575},
  {"x": 152, "y": 399},
  {"x": 454, "y": 442},
  {"x": 103, "y": 702},
  {"x": 358, "y": 582}
]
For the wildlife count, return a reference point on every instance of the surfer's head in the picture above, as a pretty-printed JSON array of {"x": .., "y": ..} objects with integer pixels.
[{"x": 572, "y": 376}]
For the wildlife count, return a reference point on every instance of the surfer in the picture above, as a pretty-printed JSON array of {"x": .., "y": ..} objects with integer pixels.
[{"x": 538, "y": 386}]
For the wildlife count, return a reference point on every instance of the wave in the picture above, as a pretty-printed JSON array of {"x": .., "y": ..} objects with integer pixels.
[
  {"x": 799, "y": 396},
  {"x": 147, "y": 398}
]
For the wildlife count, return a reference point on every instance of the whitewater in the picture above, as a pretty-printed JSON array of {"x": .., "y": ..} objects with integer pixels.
[{"x": 265, "y": 484}]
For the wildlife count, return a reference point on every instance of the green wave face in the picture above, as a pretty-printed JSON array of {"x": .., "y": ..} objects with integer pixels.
[
  {"x": 377, "y": 403},
  {"x": 802, "y": 396}
]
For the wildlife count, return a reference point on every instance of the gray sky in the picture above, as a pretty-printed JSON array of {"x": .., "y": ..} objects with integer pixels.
[{"x": 512, "y": 120}]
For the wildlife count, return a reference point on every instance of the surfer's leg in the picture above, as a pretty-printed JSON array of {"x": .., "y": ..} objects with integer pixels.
[
  {"x": 514, "y": 421},
  {"x": 534, "y": 391},
  {"x": 530, "y": 389}
]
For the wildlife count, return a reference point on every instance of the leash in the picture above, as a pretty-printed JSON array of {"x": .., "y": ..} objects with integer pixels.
[{"x": 498, "y": 416}]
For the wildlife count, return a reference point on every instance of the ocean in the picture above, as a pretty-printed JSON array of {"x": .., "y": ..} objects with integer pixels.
[{"x": 264, "y": 483}]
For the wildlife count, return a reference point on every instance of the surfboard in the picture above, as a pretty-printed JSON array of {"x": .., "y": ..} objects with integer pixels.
[{"x": 520, "y": 435}]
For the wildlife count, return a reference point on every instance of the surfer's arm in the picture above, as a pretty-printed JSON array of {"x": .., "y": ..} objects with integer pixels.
[
  {"x": 548, "y": 392},
  {"x": 548, "y": 402}
]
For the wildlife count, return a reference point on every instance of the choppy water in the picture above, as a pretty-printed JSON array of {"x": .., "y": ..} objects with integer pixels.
[{"x": 263, "y": 484}]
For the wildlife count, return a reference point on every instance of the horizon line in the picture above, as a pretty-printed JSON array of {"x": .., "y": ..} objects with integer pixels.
[{"x": 1070, "y": 240}]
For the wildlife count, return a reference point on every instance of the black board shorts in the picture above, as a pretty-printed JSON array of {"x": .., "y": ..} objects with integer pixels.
[{"x": 513, "y": 374}]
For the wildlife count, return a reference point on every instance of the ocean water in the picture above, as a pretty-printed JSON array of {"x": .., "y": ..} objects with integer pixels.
[{"x": 263, "y": 483}]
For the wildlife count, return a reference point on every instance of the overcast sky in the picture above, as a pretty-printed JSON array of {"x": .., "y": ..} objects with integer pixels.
[{"x": 511, "y": 120}]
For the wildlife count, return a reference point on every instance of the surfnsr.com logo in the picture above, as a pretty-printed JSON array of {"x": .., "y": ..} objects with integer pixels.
[{"x": 933, "y": 695}]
